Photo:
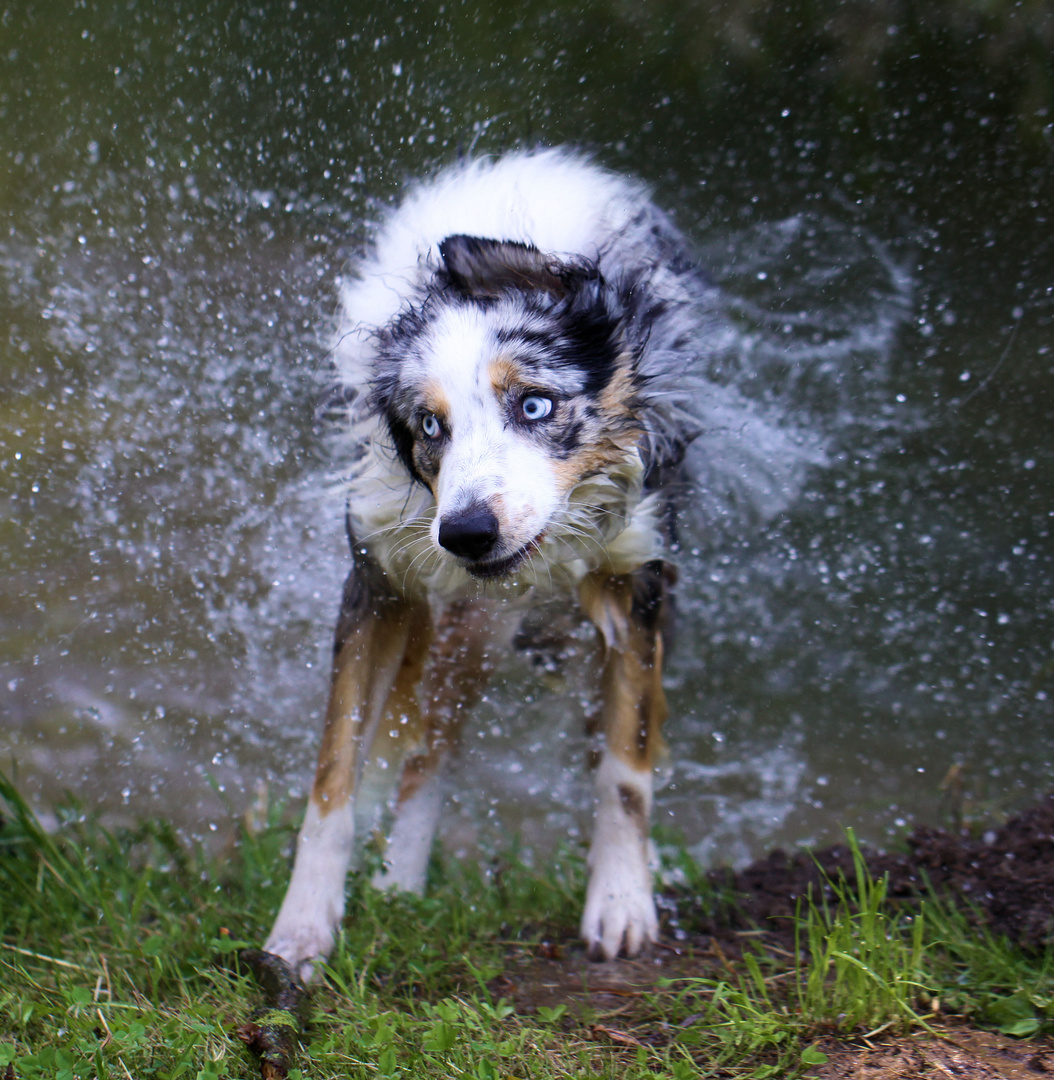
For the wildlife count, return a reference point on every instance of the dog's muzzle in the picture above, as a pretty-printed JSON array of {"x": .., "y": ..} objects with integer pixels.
[{"x": 472, "y": 533}]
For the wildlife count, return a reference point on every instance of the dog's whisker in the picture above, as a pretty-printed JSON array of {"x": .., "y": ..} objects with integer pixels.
[
  {"x": 403, "y": 547},
  {"x": 399, "y": 538},
  {"x": 587, "y": 531},
  {"x": 425, "y": 554},
  {"x": 424, "y": 520},
  {"x": 419, "y": 563},
  {"x": 406, "y": 548},
  {"x": 548, "y": 570}
]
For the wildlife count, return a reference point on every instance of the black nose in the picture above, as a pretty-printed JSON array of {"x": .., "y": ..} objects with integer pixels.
[{"x": 471, "y": 533}]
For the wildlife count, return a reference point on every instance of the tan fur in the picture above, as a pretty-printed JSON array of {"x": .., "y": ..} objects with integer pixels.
[
  {"x": 633, "y": 707},
  {"x": 566, "y": 494},
  {"x": 505, "y": 374},
  {"x": 602, "y": 452},
  {"x": 456, "y": 676},
  {"x": 592, "y": 460},
  {"x": 617, "y": 398},
  {"x": 435, "y": 400},
  {"x": 400, "y": 692},
  {"x": 367, "y": 663}
]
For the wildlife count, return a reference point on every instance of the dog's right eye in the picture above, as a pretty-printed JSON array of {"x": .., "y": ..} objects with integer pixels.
[
  {"x": 535, "y": 407},
  {"x": 431, "y": 426}
]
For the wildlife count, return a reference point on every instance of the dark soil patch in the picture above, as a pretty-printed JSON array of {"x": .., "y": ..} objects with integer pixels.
[{"x": 1006, "y": 876}]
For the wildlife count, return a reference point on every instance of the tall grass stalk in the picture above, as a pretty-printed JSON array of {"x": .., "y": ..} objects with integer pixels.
[{"x": 866, "y": 964}]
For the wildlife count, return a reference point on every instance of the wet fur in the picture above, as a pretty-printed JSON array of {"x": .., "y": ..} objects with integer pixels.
[{"x": 538, "y": 276}]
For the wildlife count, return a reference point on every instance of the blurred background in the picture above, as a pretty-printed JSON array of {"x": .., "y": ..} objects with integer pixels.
[{"x": 182, "y": 185}]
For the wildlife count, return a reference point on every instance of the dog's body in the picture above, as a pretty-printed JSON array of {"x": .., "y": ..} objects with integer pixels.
[{"x": 520, "y": 371}]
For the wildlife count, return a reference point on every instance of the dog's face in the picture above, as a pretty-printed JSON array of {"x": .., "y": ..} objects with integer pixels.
[{"x": 507, "y": 389}]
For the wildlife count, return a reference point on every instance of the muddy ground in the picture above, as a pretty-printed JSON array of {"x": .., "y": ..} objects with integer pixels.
[{"x": 1006, "y": 875}]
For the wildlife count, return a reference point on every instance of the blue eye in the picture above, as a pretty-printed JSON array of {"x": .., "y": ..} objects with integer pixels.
[
  {"x": 536, "y": 407},
  {"x": 431, "y": 427}
]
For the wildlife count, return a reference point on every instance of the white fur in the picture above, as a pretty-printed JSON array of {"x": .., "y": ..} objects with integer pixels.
[
  {"x": 410, "y": 841},
  {"x": 619, "y": 533},
  {"x": 485, "y": 460},
  {"x": 620, "y": 908},
  {"x": 314, "y": 903},
  {"x": 553, "y": 199}
]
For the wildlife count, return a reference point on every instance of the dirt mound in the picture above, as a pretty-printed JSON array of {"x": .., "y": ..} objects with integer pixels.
[{"x": 1007, "y": 875}]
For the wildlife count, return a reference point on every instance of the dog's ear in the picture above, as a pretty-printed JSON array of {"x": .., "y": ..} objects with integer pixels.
[{"x": 484, "y": 269}]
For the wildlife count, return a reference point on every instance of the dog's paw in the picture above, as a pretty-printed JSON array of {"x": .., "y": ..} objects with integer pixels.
[
  {"x": 301, "y": 944},
  {"x": 619, "y": 915},
  {"x": 306, "y": 926}
]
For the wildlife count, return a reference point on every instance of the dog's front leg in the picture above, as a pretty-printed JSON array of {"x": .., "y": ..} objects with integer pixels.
[
  {"x": 620, "y": 910},
  {"x": 379, "y": 639},
  {"x": 456, "y": 674}
]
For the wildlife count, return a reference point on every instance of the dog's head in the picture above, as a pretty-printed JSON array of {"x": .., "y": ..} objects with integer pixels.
[{"x": 512, "y": 384}]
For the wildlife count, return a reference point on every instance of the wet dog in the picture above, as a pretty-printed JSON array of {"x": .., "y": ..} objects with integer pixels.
[{"x": 520, "y": 372}]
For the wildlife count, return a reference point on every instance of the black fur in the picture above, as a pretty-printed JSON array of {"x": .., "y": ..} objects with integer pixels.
[
  {"x": 584, "y": 311},
  {"x": 479, "y": 268}
]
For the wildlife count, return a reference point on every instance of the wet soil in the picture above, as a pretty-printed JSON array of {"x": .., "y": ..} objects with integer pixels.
[
  {"x": 961, "y": 1053},
  {"x": 1005, "y": 876}
]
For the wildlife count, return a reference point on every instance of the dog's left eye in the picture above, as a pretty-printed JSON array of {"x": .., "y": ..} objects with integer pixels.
[{"x": 536, "y": 407}]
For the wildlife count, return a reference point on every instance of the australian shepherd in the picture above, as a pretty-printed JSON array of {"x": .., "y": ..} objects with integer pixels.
[{"x": 522, "y": 365}]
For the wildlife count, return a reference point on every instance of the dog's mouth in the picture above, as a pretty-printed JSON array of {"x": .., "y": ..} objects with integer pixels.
[{"x": 485, "y": 571}]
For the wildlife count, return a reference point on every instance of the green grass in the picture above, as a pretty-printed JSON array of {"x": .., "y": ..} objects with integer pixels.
[
  {"x": 985, "y": 977},
  {"x": 867, "y": 964},
  {"x": 118, "y": 957},
  {"x": 856, "y": 968}
]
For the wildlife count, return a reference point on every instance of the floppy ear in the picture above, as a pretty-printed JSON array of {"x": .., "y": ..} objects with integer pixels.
[{"x": 480, "y": 268}]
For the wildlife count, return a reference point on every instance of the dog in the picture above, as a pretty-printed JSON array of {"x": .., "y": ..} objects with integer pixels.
[{"x": 522, "y": 372}]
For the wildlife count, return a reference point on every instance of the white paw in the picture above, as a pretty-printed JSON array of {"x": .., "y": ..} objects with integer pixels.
[
  {"x": 619, "y": 915},
  {"x": 302, "y": 945}
]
